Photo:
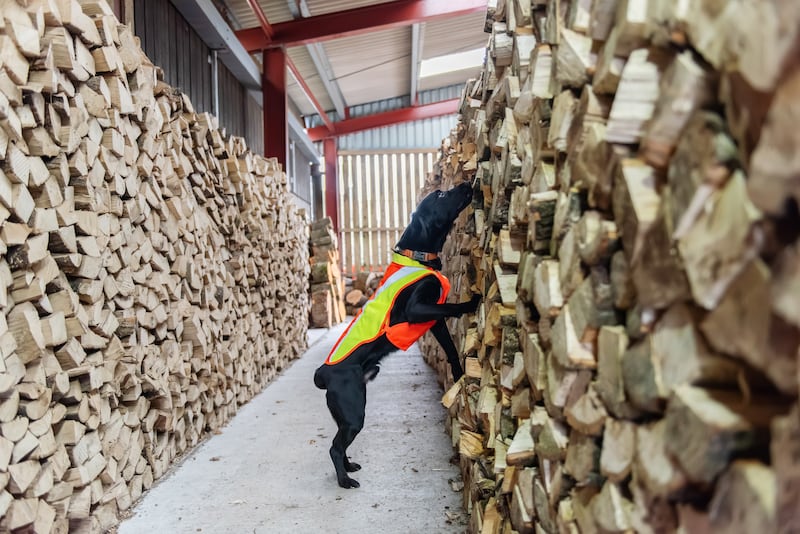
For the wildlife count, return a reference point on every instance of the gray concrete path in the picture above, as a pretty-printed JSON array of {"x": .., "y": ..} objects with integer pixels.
[{"x": 269, "y": 470}]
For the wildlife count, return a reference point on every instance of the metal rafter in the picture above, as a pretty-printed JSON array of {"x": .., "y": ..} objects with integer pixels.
[
  {"x": 323, "y": 66},
  {"x": 299, "y": 9},
  {"x": 307, "y": 91},
  {"x": 266, "y": 27},
  {"x": 356, "y": 21},
  {"x": 386, "y": 118},
  {"x": 274, "y": 106},
  {"x": 416, "y": 56},
  {"x": 330, "y": 148},
  {"x": 267, "y": 31}
]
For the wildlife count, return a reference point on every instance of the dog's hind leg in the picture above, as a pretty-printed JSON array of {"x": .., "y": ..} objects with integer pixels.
[{"x": 347, "y": 402}]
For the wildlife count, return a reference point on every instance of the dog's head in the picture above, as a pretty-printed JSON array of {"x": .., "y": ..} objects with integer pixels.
[{"x": 433, "y": 218}]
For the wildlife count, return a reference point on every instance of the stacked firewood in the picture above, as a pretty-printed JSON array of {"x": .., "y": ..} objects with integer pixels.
[
  {"x": 154, "y": 270},
  {"x": 327, "y": 286},
  {"x": 364, "y": 285},
  {"x": 636, "y": 237}
]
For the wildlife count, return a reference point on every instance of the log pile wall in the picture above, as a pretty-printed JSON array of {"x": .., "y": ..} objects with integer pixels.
[
  {"x": 634, "y": 364},
  {"x": 153, "y": 275},
  {"x": 326, "y": 283}
]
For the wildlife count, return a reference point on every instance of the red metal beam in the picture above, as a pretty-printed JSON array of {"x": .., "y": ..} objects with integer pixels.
[
  {"x": 331, "y": 181},
  {"x": 355, "y": 21},
  {"x": 387, "y": 118},
  {"x": 307, "y": 91},
  {"x": 273, "y": 86},
  {"x": 266, "y": 27}
]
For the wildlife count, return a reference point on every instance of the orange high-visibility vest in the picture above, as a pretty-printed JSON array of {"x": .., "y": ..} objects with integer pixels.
[{"x": 373, "y": 320}]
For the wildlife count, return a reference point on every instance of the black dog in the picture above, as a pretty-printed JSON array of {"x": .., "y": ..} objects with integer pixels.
[{"x": 409, "y": 301}]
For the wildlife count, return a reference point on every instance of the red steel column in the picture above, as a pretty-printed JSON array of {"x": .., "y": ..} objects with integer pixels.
[
  {"x": 331, "y": 181},
  {"x": 273, "y": 85}
]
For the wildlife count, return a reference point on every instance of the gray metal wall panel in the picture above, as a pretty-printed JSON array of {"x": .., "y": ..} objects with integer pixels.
[
  {"x": 427, "y": 133},
  {"x": 254, "y": 125},
  {"x": 171, "y": 43},
  {"x": 301, "y": 182}
]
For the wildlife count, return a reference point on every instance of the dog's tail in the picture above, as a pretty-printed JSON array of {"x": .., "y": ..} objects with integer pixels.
[{"x": 320, "y": 377}]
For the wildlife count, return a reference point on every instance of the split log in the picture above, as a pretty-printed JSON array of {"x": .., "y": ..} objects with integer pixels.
[
  {"x": 744, "y": 498},
  {"x": 618, "y": 452},
  {"x": 632, "y": 25},
  {"x": 686, "y": 87},
  {"x": 521, "y": 450},
  {"x": 783, "y": 450},
  {"x": 612, "y": 343},
  {"x": 728, "y": 216},
  {"x": 636, "y": 204},
  {"x": 785, "y": 283},
  {"x": 637, "y": 93},
  {"x": 609, "y": 66},
  {"x": 573, "y": 59},
  {"x": 701, "y": 164},
  {"x": 564, "y": 107},
  {"x": 547, "y": 288},
  {"x": 523, "y": 510},
  {"x": 611, "y": 510},
  {"x": 707, "y": 428},
  {"x": 587, "y": 415},
  {"x": 602, "y": 17},
  {"x": 656, "y": 470},
  {"x": 773, "y": 174},
  {"x": 582, "y": 461},
  {"x": 652, "y": 369},
  {"x": 762, "y": 339}
]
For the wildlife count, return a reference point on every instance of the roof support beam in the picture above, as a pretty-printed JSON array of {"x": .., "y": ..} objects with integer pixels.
[
  {"x": 386, "y": 118},
  {"x": 331, "y": 182},
  {"x": 273, "y": 85},
  {"x": 320, "y": 60},
  {"x": 266, "y": 27},
  {"x": 416, "y": 51},
  {"x": 299, "y": 9},
  {"x": 307, "y": 91},
  {"x": 356, "y": 21}
]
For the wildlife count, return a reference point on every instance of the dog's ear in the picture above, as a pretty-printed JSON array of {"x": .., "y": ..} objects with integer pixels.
[{"x": 434, "y": 216}]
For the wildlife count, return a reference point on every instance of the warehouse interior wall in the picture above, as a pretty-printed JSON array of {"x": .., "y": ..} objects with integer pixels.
[{"x": 190, "y": 65}]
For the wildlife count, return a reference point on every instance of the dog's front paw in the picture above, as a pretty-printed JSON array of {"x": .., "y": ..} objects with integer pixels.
[
  {"x": 348, "y": 483},
  {"x": 473, "y": 303},
  {"x": 351, "y": 467},
  {"x": 457, "y": 373}
]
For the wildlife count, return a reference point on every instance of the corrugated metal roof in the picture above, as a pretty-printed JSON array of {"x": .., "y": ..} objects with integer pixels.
[
  {"x": 369, "y": 67},
  {"x": 321, "y": 7},
  {"x": 372, "y": 66},
  {"x": 441, "y": 93},
  {"x": 458, "y": 34},
  {"x": 427, "y": 133},
  {"x": 275, "y": 11},
  {"x": 302, "y": 60}
]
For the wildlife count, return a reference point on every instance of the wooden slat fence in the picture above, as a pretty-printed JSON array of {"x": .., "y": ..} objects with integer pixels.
[{"x": 377, "y": 193}]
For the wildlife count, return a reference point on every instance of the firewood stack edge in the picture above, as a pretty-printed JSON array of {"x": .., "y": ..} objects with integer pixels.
[
  {"x": 326, "y": 284},
  {"x": 636, "y": 237},
  {"x": 154, "y": 270}
]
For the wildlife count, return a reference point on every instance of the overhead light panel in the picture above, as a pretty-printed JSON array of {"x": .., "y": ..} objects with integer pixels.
[{"x": 452, "y": 62}]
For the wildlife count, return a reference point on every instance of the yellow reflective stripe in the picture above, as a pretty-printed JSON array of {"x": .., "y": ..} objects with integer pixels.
[
  {"x": 405, "y": 260},
  {"x": 369, "y": 323}
]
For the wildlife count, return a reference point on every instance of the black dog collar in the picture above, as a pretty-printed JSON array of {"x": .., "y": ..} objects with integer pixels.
[{"x": 417, "y": 255}]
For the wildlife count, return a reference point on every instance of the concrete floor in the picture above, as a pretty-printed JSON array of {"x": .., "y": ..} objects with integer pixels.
[{"x": 269, "y": 470}]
